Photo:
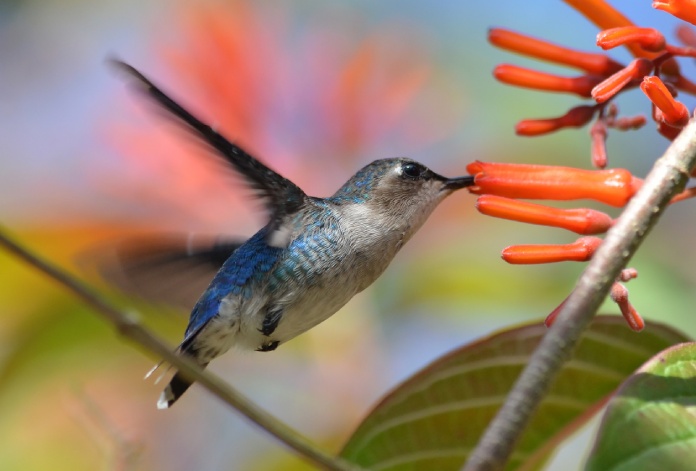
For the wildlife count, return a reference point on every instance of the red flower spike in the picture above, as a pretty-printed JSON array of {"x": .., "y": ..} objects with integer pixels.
[
  {"x": 575, "y": 117},
  {"x": 649, "y": 39},
  {"x": 597, "y": 64},
  {"x": 579, "y": 251},
  {"x": 581, "y": 220},
  {"x": 614, "y": 186},
  {"x": 683, "y": 9},
  {"x": 619, "y": 294},
  {"x": 609, "y": 87},
  {"x": 527, "y": 78},
  {"x": 674, "y": 113},
  {"x": 598, "y": 150}
]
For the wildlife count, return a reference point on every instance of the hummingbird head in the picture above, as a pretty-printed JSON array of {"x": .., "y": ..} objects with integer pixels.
[
  {"x": 398, "y": 181},
  {"x": 399, "y": 193}
]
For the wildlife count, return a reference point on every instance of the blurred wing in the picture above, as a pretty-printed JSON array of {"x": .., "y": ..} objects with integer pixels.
[
  {"x": 281, "y": 196},
  {"x": 169, "y": 269}
]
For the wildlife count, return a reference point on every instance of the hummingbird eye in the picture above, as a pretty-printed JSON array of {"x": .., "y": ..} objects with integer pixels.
[{"x": 412, "y": 170}]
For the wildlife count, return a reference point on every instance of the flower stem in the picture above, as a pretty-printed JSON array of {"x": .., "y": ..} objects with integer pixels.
[
  {"x": 131, "y": 329},
  {"x": 668, "y": 176}
]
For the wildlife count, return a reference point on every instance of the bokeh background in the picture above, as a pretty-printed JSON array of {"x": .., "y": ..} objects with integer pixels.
[{"x": 316, "y": 89}]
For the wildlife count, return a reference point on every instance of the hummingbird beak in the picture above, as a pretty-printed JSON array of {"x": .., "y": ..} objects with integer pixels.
[{"x": 457, "y": 183}]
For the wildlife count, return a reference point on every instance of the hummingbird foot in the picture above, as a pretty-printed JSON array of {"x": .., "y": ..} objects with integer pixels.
[
  {"x": 268, "y": 347},
  {"x": 271, "y": 321}
]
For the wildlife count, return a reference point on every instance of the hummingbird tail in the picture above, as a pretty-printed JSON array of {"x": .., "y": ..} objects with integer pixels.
[{"x": 176, "y": 387}]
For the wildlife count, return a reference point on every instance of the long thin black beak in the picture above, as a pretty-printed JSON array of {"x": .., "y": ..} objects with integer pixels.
[{"x": 458, "y": 182}]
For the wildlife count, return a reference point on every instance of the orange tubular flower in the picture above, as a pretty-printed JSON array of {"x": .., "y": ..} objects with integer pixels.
[
  {"x": 575, "y": 117},
  {"x": 614, "y": 187},
  {"x": 649, "y": 39},
  {"x": 521, "y": 77},
  {"x": 581, "y": 221},
  {"x": 600, "y": 13},
  {"x": 595, "y": 64},
  {"x": 636, "y": 70},
  {"x": 674, "y": 113},
  {"x": 684, "y": 9},
  {"x": 605, "y": 16},
  {"x": 579, "y": 251}
]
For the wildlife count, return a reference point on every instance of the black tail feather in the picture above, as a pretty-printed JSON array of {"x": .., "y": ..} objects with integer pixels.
[{"x": 174, "y": 390}]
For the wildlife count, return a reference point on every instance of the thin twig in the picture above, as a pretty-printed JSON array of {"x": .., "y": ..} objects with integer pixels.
[
  {"x": 668, "y": 176},
  {"x": 131, "y": 329}
]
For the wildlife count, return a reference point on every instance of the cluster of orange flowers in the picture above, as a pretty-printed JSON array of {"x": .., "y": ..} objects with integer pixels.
[{"x": 657, "y": 73}]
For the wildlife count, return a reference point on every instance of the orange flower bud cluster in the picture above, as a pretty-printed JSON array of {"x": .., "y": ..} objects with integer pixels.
[
  {"x": 654, "y": 70},
  {"x": 501, "y": 185}
]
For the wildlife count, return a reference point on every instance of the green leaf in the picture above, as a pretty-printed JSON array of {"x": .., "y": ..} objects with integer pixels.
[
  {"x": 434, "y": 419},
  {"x": 650, "y": 424}
]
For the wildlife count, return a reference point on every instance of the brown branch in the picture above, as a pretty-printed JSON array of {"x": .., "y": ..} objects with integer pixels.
[
  {"x": 131, "y": 329},
  {"x": 668, "y": 176}
]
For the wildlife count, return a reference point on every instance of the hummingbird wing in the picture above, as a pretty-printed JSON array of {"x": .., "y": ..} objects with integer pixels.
[
  {"x": 252, "y": 260},
  {"x": 172, "y": 269},
  {"x": 281, "y": 196}
]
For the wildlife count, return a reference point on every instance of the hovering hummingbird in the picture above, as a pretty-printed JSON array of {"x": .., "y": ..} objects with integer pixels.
[{"x": 312, "y": 256}]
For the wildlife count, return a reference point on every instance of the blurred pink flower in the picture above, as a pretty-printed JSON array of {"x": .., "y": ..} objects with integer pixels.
[{"x": 313, "y": 104}]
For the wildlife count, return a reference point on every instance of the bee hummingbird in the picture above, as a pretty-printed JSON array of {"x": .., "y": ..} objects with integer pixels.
[{"x": 312, "y": 256}]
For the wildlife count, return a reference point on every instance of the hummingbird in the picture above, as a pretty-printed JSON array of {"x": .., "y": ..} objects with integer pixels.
[{"x": 312, "y": 256}]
